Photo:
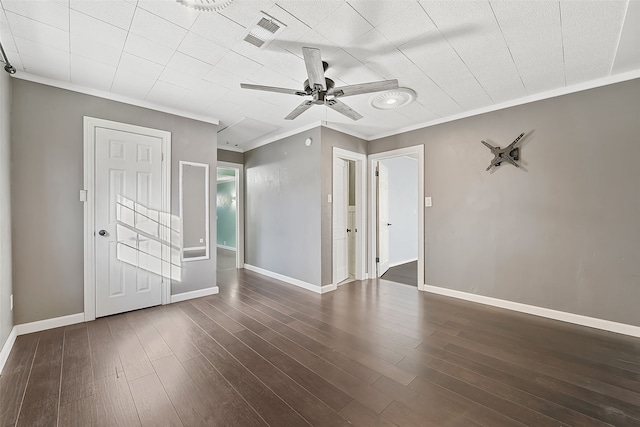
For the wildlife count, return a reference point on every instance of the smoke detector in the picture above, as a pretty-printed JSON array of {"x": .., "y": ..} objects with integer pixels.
[{"x": 263, "y": 30}]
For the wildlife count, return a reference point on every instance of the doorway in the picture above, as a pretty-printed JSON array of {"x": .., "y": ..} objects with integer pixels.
[
  {"x": 229, "y": 217},
  {"x": 127, "y": 219},
  {"x": 349, "y": 217},
  {"x": 397, "y": 215}
]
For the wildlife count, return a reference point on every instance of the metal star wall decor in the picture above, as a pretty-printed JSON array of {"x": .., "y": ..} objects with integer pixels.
[{"x": 508, "y": 154}]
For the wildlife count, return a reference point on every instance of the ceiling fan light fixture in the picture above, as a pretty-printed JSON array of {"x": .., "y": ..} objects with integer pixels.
[
  {"x": 392, "y": 99},
  {"x": 206, "y": 5}
]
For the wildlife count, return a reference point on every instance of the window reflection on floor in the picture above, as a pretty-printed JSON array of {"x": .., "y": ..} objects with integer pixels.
[{"x": 148, "y": 239}]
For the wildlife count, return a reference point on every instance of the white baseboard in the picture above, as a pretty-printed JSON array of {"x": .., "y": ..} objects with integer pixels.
[
  {"x": 302, "y": 284},
  {"x": 43, "y": 325},
  {"x": 229, "y": 248},
  {"x": 402, "y": 262},
  {"x": 577, "y": 319},
  {"x": 195, "y": 294},
  {"x": 6, "y": 348},
  {"x": 328, "y": 288}
]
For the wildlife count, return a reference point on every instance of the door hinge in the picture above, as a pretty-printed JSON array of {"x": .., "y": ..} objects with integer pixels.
[
  {"x": 377, "y": 173},
  {"x": 377, "y": 259}
]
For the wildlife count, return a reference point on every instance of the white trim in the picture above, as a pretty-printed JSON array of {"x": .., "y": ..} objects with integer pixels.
[
  {"x": 605, "y": 81},
  {"x": 340, "y": 127},
  {"x": 229, "y": 147},
  {"x": 195, "y": 294},
  {"x": 207, "y": 217},
  {"x": 577, "y": 319},
  {"x": 22, "y": 75},
  {"x": 6, "y": 348},
  {"x": 360, "y": 161},
  {"x": 296, "y": 282},
  {"x": 43, "y": 325},
  {"x": 239, "y": 211},
  {"x": 404, "y": 261},
  {"x": 260, "y": 142},
  {"x": 229, "y": 248},
  {"x": 90, "y": 125},
  {"x": 413, "y": 151},
  {"x": 272, "y": 138}
]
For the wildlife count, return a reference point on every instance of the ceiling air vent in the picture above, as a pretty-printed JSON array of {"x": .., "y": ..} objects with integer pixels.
[{"x": 263, "y": 30}]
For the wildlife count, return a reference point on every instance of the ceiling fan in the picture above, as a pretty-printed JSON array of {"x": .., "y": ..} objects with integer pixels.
[{"x": 323, "y": 89}]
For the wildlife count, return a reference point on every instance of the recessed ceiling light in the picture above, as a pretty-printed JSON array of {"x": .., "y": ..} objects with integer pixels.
[
  {"x": 391, "y": 99},
  {"x": 205, "y": 5}
]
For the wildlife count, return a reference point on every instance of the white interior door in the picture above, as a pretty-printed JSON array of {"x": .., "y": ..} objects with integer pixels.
[
  {"x": 351, "y": 239},
  {"x": 128, "y": 201},
  {"x": 383, "y": 218},
  {"x": 341, "y": 203}
]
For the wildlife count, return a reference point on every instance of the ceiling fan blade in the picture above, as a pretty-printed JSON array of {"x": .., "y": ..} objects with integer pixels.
[
  {"x": 364, "y": 88},
  {"x": 343, "y": 108},
  {"x": 315, "y": 68},
  {"x": 273, "y": 89},
  {"x": 299, "y": 110}
]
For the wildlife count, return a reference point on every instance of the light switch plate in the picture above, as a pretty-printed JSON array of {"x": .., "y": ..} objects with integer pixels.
[{"x": 427, "y": 202}]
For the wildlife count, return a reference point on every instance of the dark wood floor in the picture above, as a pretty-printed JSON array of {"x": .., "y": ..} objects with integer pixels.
[
  {"x": 371, "y": 354},
  {"x": 404, "y": 273},
  {"x": 225, "y": 259}
]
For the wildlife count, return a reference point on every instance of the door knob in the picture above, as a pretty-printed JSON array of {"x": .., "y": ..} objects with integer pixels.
[
  {"x": 348, "y": 230},
  {"x": 388, "y": 223},
  {"x": 102, "y": 232}
]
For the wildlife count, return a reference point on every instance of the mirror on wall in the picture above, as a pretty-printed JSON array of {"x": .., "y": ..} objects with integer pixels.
[{"x": 194, "y": 210}]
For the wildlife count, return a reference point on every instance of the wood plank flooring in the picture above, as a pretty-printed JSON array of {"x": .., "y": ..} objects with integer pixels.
[
  {"x": 404, "y": 273},
  {"x": 372, "y": 353}
]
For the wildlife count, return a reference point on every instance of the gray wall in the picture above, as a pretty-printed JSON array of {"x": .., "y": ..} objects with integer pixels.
[
  {"x": 282, "y": 210},
  {"x": 193, "y": 206},
  {"x": 562, "y": 231},
  {"x": 6, "y": 316},
  {"x": 230, "y": 156},
  {"x": 403, "y": 209},
  {"x": 47, "y": 171},
  {"x": 329, "y": 139}
]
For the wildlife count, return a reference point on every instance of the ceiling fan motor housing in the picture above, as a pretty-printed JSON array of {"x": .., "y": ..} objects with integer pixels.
[{"x": 330, "y": 85}]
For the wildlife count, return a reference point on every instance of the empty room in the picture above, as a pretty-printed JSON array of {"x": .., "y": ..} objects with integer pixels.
[{"x": 319, "y": 213}]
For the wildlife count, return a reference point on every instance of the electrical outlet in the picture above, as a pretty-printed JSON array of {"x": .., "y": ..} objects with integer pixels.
[{"x": 201, "y": 240}]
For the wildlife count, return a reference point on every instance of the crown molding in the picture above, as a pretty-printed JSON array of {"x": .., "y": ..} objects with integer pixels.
[
  {"x": 22, "y": 75},
  {"x": 340, "y": 127},
  {"x": 591, "y": 84},
  {"x": 229, "y": 147},
  {"x": 260, "y": 142}
]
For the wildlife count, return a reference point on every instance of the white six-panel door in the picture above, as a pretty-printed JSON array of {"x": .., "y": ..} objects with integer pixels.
[
  {"x": 341, "y": 201},
  {"x": 128, "y": 201}
]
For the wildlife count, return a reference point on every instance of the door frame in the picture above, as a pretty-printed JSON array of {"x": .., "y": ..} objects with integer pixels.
[
  {"x": 239, "y": 211},
  {"x": 87, "y": 196},
  {"x": 361, "y": 212},
  {"x": 418, "y": 152}
]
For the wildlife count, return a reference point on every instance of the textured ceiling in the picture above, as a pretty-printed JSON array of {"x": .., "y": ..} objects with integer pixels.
[{"x": 457, "y": 55}]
